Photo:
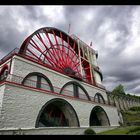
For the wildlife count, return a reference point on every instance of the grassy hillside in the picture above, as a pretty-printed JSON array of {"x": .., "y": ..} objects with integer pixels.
[
  {"x": 131, "y": 123},
  {"x": 128, "y": 130},
  {"x": 132, "y": 116}
]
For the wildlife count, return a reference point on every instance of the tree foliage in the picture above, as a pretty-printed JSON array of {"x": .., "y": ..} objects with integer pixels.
[
  {"x": 89, "y": 131},
  {"x": 119, "y": 90}
]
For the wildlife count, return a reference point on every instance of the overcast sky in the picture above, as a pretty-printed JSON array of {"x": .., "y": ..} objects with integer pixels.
[{"x": 114, "y": 31}]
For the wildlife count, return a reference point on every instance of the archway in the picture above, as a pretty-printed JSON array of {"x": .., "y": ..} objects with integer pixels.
[
  {"x": 57, "y": 113},
  {"x": 4, "y": 72},
  {"x": 99, "y": 98},
  {"x": 38, "y": 80},
  {"x": 98, "y": 117},
  {"x": 77, "y": 89}
]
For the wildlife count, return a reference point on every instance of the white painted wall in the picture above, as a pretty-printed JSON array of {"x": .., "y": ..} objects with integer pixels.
[
  {"x": 22, "y": 105},
  {"x": 94, "y": 60},
  {"x": 2, "y": 87},
  {"x": 97, "y": 78},
  {"x": 22, "y": 67},
  {"x": 7, "y": 62}
]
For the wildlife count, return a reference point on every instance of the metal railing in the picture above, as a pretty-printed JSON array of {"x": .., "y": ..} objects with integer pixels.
[
  {"x": 14, "y": 51},
  {"x": 45, "y": 87},
  {"x": 82, "y": 42}
]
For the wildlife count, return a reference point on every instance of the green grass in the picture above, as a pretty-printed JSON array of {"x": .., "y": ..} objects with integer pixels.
[
  {"x": 134, "y": 131},
  {"x": 131, "y": 116},
  {"x": 131, "y": 124},
  {"x": 128, "y": 130}
]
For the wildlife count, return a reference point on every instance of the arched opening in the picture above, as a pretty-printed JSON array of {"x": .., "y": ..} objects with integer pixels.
[
  {"x": 38, "y": 80},
  {"x": 75, "y": 89},
  {"x": 98, "y": 117},
  {"x": 57, "y": 113},
  {"x": 4, "y": 72},
  {"x": 99, "y": 98}
]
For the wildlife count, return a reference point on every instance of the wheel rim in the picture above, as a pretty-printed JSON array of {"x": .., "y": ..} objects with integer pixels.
[{"x": 58, "y": 51}]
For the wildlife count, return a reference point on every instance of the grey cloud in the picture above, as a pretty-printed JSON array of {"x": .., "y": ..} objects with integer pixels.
[
  {"x": 116, "y": 67},
  {"x": 10, "y": 36},
  {"x": 112, "y": 60}
]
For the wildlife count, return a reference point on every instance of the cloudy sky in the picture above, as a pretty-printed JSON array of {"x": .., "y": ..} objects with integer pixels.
[{"x": 114, "y": 31}]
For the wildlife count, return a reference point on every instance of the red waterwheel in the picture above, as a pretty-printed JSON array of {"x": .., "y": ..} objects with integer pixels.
[{"x": 57, "y": 50}]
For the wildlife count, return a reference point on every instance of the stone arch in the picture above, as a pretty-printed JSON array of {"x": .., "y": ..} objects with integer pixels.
[
  {"x": 4, "y": 72},
  {"x": 37, "y": 83},
  {"x": 76, "y": 87},
  {"x": 57, "y": 113},
  {"x": 99, "y": 98},
  {"x": 98, "y": 117}
]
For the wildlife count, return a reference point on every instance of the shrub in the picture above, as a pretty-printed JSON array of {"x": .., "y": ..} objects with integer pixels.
[
  {"x": 138, "y": 133},
  {"x": 89, "y": 131},
  {"x": 135, "y": 130},
  {"x": 135, "y": 108}
]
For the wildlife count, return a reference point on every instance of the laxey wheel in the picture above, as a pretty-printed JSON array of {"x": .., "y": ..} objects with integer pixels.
[{"x": 58, "y": 51}]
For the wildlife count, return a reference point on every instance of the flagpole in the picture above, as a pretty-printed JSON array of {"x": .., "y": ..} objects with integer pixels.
[{"x": 69, "y": 29}]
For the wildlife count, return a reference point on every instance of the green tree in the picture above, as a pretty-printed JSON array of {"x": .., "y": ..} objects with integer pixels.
[{"x": 118, "y": 90}]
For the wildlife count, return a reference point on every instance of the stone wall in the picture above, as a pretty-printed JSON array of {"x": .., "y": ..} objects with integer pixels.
[
  {"x": 21, "y": 106},
  {"x": 123, "y": 102},
  {"x": 52, "y": 131},
  {"x": 22, "y": 67}
]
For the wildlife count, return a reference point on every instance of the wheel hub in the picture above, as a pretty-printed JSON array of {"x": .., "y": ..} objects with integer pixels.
[{"x": 69, "y": 70}]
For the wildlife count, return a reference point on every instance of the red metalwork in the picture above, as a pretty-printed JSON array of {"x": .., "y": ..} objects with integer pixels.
[
  {"x": 57, "y": 50},
  {"x": 4, "y": 68},
  {"x": 9, "y": 55}
]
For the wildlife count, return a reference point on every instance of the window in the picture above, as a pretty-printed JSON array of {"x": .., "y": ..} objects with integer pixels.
[
  {"x": 4, "y": 72},
  {"x": 38, "y": 80},
  {"x": 99, "y": 98},
  {"x": 73, "y": 88}
]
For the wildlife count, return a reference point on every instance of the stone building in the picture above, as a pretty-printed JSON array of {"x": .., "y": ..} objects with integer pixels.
[{"x": 53, "y": 80}]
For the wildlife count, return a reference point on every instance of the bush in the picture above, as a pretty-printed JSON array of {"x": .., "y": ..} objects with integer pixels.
[
  {"x": 89, "y": 131},
  {"x": 138, "y": 133},
  {"x": 135, "y": 130},
  {"x": 135, "y": 108}
]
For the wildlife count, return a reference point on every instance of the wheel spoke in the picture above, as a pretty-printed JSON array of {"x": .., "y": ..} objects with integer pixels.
[{"x": 58, "y": 51}]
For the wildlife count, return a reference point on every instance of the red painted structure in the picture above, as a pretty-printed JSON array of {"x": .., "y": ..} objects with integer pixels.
[{"x": 56, "y": 49}]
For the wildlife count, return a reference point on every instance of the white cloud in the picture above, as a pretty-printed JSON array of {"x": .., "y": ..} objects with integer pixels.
[
  {"x": 54, "y": 13},
  {"x": 133, "y": 48},
  {"x": 113, "y": 30}
]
